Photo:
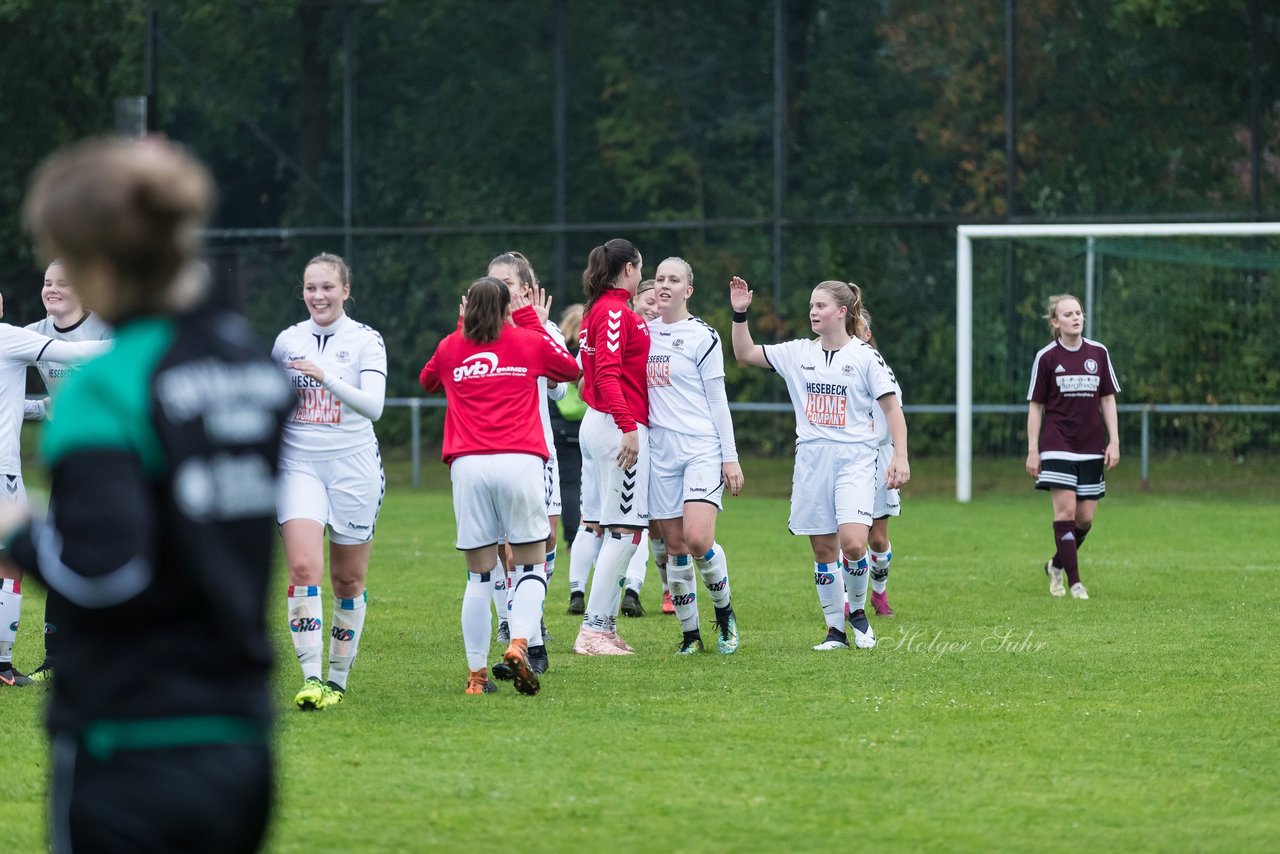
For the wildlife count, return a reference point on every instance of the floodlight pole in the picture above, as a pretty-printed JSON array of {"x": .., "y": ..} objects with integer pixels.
[
  {"x": 1090, "y": 266},
  {"x": 779, "y": 144},
  {"x": 150, "y": 81},
  {"x": 348, "y": 131}
]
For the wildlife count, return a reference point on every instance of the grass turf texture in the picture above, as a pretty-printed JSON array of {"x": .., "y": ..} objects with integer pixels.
[{"x": 990, "y": 716}]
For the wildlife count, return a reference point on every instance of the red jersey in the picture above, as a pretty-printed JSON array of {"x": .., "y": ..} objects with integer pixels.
[
  {"x": 1071, "y": 385},
  {"x": 492, "y": 389},
  {"x": 615, "y": 354}
]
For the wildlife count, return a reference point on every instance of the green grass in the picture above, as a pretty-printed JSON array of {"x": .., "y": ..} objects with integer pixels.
[{"x": 1141, "y": 719}]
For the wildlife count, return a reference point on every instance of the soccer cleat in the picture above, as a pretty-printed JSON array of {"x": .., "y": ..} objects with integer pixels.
[
  {"x": 1078, "y": 591},
  {"x": 522, "y": 675},
  {"x": 690, "y": 644},
  {"x": 668, "y": 607},
  {"x": 309, "y": 697},
  {"x": 592, "y": 642},
  {"x": 478, "y": 682},
  {"x": 880, "y": 601},
  {"x": 11, "y": 677},
  {"x": 864, "y": 637},
  {"x": 577, "y": 603},
  {"x": 332, "y": 696},
  {"x": 538, "y": 659},
  {"x": 631, "y": 606},
  {"x": 504, "y": 632},
  {"x": 43, "y": 673},
  {"x": 836, "y": 639},
  {"x": 500, "y": 670},
  {"x": 1056, "y": 587},
  {"x": 726, "y": 625},
  {"x": 612, "y": 637}
]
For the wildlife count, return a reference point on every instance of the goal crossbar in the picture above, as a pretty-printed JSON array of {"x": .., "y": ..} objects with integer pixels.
[{"x": 966, "y": 234}]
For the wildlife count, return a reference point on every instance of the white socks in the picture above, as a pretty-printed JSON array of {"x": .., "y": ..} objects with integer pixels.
[
  {"x": 586, "y": 547},
  {"x": 826, "y": 578},
  {"x": 639, "y": 564},
  {"x": 10, "y": 609},
  {"x": 855, "y": 582},
  {"x": 476, "y": 623},
  {"x": 606, "y": 586},
  {"x": 344, "y": 640},
  {"x": 880, "y": 568},
  {"x": 715, "y": 575},
  {"x": 306, "y": 628},
  {"x": 684, "y": 592},
  {"x": 529, "y": 593}
]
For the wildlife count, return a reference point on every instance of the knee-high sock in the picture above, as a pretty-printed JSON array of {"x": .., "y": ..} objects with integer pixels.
[
  {"x": 501, "y": 596},
  {"x": 477, "y": 625},
  {"x": 684, "y": 592},
  {"x": 659, "y": 549},
  {"x": 306, "y": 627},
  {"x": 606, "y": 584},
  {"x": 344, "y": 640},
  {"x": 529, "y": 593},
  {"x": 10, "y": 610},
  {"x": 586, "y": 547},
  {"x": 826, "y": 578},
  {"x": 1064, "y": 537},
  {"x": 880, "y": 567},
  {"x": 638, "y": 566},
  {"x": 1080, "y": 533},
  {"x": 551, "y": 564},
  {"x": 855, "y": 582},
  {"x": 714, "y": 567}
]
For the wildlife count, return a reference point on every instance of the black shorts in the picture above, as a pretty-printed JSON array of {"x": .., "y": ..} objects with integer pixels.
[
  {"x": 1084, "y": 477},
  {"x": 213, "y": 798}
]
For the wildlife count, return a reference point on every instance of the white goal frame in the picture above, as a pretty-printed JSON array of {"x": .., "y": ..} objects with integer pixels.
[{"x": 966, "y": 234}]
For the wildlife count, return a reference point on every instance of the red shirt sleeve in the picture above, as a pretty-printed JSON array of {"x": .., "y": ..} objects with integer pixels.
[
  {"x": 429, "y": 379},
  {"x": 609, "y": 334}
]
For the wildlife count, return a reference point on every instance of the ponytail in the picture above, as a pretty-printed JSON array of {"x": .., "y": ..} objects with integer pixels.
[
  {"x": 848, "y": 295},
  {"x": 605, "y": 264},
  {"x": 486, "y": 312}
]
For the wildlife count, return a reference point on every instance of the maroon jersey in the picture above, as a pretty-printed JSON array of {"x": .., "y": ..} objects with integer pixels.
[
  {"x": 615, "y": 358},
  {"x": 492, "y": 389},
  {"x": 1071, "y": 385}
]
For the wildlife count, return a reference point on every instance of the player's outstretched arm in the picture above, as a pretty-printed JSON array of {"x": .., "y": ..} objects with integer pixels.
[{"x": 745, "y": 349}]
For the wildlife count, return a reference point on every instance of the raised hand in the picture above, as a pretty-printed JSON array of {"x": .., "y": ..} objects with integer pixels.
[{"x": 740, "y": 294}]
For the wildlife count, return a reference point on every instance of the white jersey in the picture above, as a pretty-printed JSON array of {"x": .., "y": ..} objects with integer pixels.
[
  {"x": 20, "y": 348},
  {"x": 833, "y": 392},
  {"x": 682, "y": 357},
  {"x": 89, "y": 328},
  {"x": 544, "y": 409},
  {"x": 323, "y": 427},
  {"x": 882, "y": 425}
]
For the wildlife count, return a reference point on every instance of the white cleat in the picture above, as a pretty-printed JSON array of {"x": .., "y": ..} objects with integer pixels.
[
  {"x": 1056, "y": 587},
  {"x": 864, "y": 637},
  {"x": 591, "y": 642},
  {"x": 835, "y": 639},
  {"x": 1078, "y": 591}
]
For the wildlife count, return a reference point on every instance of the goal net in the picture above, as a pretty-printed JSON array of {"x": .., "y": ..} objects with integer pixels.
[{"x": 1190, "y": 313}]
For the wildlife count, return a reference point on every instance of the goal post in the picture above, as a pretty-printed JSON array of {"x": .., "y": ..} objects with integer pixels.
[{"x": 966, "y": 234}]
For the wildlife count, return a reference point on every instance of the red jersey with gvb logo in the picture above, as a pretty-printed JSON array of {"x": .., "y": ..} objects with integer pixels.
[
  {"x": 1071, "y": 385},
  {"x": 492, "y": 389},
  {"x": 614, "y": 352}
]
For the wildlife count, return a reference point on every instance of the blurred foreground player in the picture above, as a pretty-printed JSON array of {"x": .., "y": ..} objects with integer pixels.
[{"x": 161, "y": 521}]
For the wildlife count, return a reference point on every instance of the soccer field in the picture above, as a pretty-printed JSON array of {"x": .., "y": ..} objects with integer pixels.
[{"x": 991, "y": 716}]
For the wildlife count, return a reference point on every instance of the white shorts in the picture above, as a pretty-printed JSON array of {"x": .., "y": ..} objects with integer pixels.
[
  {"x": 588, "y": 488},
  {"x": 13, "y": 491},
  {"x": 498, "y": 497},
  {"x": 616, "y": 496},
  {"x": 345, "y": 494},
  {"x": 888, "y": 501},
  {"x": 833, "y": 485},
  {"x": 681, "y": 469},
  {"x": 551, "y": 485}
]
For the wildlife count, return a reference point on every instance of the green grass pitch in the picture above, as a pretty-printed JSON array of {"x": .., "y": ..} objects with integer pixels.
[{"x": 991, "y": 716}]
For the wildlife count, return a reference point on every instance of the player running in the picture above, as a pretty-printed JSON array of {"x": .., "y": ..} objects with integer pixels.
[
  {"x": 496, "y": 452},
  {"x": 1072, "y": 397},
  {"x": 331, "y": 474},
  {"x": 692, "y": 454},
  {"x": 837, "y": 383}
]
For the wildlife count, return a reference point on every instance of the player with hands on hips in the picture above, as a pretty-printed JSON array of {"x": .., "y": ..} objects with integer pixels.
[{"x": 838, "y": 385}]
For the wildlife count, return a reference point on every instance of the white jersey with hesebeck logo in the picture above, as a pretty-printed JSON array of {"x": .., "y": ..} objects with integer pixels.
[
  {"x": 682, "y": 357},
  {"x": 834, "y": 392},
  {"x": 323, "y": 427},
  {"x": 90, "y": 327}
]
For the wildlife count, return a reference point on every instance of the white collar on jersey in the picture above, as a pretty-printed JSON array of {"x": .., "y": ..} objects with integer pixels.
[{"x": 337, "y": 326}]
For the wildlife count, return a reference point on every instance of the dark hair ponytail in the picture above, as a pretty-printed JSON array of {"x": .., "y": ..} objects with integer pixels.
[
  {"x": 605, "y": 264},
  {"x": 486, "y": 313}
]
